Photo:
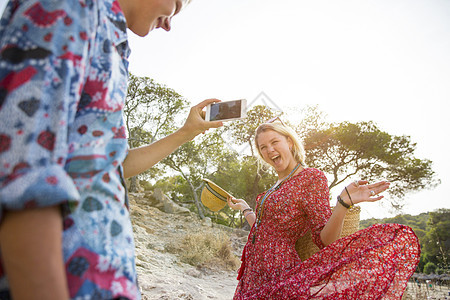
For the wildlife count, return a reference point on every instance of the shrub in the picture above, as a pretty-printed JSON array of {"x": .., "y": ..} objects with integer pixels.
[
  {"x": 429, "y": 268},
  {"x": 206, "y": 249}
]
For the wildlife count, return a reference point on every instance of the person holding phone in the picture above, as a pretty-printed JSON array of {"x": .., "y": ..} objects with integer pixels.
[
  {"x": 65, "y": 229},
  {"x": 374, "y": 263}
]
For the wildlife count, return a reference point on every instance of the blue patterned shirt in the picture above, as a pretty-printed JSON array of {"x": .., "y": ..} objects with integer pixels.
[{"x": 63, "y": 82}]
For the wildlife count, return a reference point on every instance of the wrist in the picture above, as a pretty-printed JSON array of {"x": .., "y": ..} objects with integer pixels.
[
  {"x": 246, "y": 209},
  {"x": 342, "y": 202},
  {"x": 184, "y": 134},
  {"x": 345, "y": 198},
  {"x": 248, "y": 213}
]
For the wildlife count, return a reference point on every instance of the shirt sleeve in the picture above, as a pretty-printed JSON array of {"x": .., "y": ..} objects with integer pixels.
[
  {"x": 44, "y": 49},
  {"x": 317, "y": 204}
]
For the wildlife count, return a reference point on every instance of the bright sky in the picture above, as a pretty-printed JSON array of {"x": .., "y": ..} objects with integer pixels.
[{"x": 382, "y": 60}]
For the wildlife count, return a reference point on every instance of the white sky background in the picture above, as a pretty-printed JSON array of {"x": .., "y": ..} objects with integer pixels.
[{"x": 382, "y": 60}]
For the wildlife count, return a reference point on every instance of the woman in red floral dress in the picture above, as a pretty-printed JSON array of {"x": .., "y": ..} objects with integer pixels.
[{"x": 373, "y": 263}]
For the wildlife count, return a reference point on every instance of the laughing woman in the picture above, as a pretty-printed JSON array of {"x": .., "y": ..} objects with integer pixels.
[{"x": 374, "y": 263}]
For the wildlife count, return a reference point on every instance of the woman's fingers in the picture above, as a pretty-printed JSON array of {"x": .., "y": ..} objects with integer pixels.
[
  {"x": 362, "y": 191},
  {"x": 237, "y": 204},
  {"x": 357, "y": 183},
  {"x": 230, "y": 203},
  {"x": 233, "y": 202},
  {"x": 377, "y": 184},
  {"x": 375, "y": 199},
  {"x": 376, "y": 188}
]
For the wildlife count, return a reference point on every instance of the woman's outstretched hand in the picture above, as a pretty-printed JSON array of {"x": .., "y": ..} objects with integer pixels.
[
  {"x": 237, "y": 204},
  {"x": 362, "y": 191}
]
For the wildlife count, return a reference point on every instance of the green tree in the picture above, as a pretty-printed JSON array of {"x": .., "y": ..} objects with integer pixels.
[
  {"x": 421, "y": 264},
  {"x": 151, "y": 111},
  {"x": 429, "y": 268},
  {"x": 312, "y": 119},
  {"x": 197, "y": 159},
  {"x": 437, "y": 239},
  {"x": 243, "y": 131},
  {"x": 236, "y": 176},
  {"x": 345, "y": 150}
]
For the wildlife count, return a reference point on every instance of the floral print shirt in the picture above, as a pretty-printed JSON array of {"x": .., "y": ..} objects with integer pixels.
[{"x": 63, "y": 82}]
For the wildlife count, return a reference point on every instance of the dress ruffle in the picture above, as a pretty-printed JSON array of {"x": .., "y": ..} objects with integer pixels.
[{"x": 374, "y": 263}]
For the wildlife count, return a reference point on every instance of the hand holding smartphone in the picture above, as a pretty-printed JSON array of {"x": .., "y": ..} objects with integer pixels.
[{"x": 226, "y": 110}]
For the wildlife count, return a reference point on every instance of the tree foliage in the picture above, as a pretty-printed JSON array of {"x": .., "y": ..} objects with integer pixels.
[
  {"x": 429, "y": 268},
  {"x": 243, "y": 131},
  {"x": 361, "y": 150},
  {"x": 342, "y": 150},
  {"x": 437, "y": 239},
  {"x": 197, "y": 159},
  {"x": 238, "y": 176},
  {"x": 151, "y": 111}
]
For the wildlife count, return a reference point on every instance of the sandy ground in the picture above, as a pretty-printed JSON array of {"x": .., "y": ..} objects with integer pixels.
[
  {"x": 161, "y": 274},
  {"x": 437, "y": 292}
]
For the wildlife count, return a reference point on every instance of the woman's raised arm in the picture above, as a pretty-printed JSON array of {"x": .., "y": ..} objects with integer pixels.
[{"x": 357, "y": 192}]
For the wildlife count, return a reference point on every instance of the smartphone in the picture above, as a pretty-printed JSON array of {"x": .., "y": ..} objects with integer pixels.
[{"x": 226, "y": 110}]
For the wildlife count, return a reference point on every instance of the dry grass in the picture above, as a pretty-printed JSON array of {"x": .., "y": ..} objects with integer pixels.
[{"x": 206, "y": 249}]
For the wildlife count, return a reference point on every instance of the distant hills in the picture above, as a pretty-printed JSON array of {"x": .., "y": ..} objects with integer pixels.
[{"x": 417, "y": 223}]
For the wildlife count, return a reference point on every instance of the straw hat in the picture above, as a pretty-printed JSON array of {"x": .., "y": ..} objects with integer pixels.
[
  {"x": 213, "y": 196},
  {"x": 305, "y": 246}
]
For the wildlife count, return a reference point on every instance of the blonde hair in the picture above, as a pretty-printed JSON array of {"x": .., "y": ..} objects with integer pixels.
[{"x": 298, "y": 151}]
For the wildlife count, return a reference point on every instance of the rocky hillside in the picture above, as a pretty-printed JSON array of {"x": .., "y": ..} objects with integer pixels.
[{"x": 163, "y": 250}]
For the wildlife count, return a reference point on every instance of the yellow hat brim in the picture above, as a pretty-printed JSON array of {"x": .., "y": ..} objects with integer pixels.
[{"x": 213, "y": 196}]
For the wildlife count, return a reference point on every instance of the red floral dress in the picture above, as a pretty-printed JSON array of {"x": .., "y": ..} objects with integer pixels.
[{"x": 373, "y": 263}]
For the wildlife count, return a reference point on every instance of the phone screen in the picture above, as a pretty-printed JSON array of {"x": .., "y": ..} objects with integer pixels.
[{"x": 225, "y": 110}]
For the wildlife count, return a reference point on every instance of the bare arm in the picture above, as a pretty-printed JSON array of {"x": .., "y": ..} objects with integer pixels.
[
  {"x": 361, "y": 193},
  {"x": 332, "y": 230},
  {"x": 239, "y": 204},
  {"x": 141, "y": 159},
  {"x": 30, "y": 242}
]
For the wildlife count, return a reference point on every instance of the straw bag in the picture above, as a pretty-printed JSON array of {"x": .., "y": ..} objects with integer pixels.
[{"x": 305, "y": 246}]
